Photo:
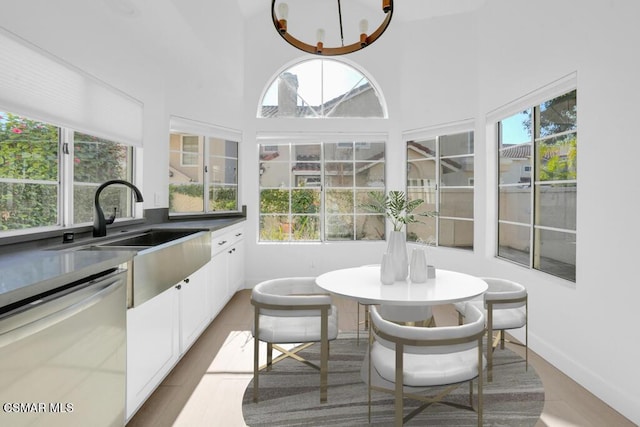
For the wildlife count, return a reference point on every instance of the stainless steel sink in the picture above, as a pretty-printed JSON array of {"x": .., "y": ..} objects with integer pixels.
[
  {"x": 164, "y": 258},
  {"x": 150, "y": 238}
]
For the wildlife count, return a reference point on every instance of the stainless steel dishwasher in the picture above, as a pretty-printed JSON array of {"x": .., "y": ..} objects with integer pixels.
[{"x": 63, "y": 356}]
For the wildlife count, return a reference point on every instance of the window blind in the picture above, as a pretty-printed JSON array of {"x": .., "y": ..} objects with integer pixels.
[{"x": 41, "y": 86}]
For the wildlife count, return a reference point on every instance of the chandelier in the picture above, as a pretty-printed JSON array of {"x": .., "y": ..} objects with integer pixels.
[{"x": 336, "y": 31}]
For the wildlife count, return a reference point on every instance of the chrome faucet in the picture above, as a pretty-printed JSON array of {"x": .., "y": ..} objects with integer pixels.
[{"x": 99, "y": 221}]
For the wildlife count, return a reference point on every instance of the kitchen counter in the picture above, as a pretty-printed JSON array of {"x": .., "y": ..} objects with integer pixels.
[{"x": 26, "y": 274}]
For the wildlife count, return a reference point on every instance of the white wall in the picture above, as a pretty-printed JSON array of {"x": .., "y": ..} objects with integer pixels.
[
  {"x": 211, "y": 67},
  {"x": 467, "y": 66},
  {"x": 586, "y": 330},
  {"x": 165, "y": 56}
]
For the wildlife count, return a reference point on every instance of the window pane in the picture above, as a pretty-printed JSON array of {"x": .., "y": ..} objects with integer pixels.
[
  {"x": 223, "y": 175},
  {"x": 514, "y": 243},
  {"x": 556, "y": 206},
  {"x": 456, "y": 202},
  {"x": 339, "y": 227},
  {"x": 338, "y": 174},
  {"x": 515, "y": 204},
  {"x": 274, "y": 201},
  {"x": 515, "y": 164},
  {"x": 422, "y": 149},
  {"x": 28, "y": 152},
  {"x": 321, "y": 88},
  {"x": 95, "y": 161},
  {"x": 451, "y": 145},
  {"x": 556, "y": 158},
  {"x": 25, "y": 205},
  {"x": 423, "y": 231},
  {"x": 339, "y": 201},
  {"x": 190, "y": 150},
  {"x": 371, "y": 151},
  {"x": 370, "y": 227},
  {"x": 275, "y": 228},
  {"x": 186, "y": 197},
  {"x": 457, "y": 171},
  {"x": 306, "y": 227},
  {"x": 456, "y": 234},
  {"x": 558, "y": 115},
  {"x": 342, "y": 151},
  {"x": 186, "y": 174},
  {"x": 557, "y": 253},
  {"x": 370, "y": 174},
  {"x": 515, "y": 130},
  {"x": 305, "y": 201}
]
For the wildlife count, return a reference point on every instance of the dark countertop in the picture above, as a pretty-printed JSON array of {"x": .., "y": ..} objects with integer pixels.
[{"x": 25, "y": 274}]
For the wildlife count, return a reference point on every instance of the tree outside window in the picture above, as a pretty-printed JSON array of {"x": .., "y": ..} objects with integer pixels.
[
  {"x": 538, "y": 186},
  {"x": 33, "y": 156}
]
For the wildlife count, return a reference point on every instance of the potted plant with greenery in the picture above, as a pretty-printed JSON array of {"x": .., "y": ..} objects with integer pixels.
[{"x": 401, "y": 212}]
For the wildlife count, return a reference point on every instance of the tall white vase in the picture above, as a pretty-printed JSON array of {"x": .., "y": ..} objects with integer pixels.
[
  {"x": 397, "y": 250},
  {"x": 387, "y": 272},
  {"x": 418, "y": 270}
]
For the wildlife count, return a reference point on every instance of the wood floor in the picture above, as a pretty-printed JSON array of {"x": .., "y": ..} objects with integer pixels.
[{"x": 206, "y": 387}]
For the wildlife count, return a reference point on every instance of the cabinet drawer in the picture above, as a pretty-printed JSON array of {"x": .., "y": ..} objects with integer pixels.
[{"x": 223, "y": 239}]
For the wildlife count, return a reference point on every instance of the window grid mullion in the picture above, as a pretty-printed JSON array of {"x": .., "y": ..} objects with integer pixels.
[{"x": 65, "y": 192}]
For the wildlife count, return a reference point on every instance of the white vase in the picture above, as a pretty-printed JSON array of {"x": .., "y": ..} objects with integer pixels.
[
  {"x": 387, "y": 272},
  {"x": 418, "y": 269},
  {"x": 397, "y": 250}
]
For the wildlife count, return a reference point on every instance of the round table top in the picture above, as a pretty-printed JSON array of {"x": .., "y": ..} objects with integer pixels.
[{"x": 363, "y": 284}]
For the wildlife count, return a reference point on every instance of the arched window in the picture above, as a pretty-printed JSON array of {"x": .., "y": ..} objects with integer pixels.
[{"x": 321, "y": 88}]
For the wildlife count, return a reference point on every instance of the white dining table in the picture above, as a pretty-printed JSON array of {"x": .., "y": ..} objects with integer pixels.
[{"x": 363, "y": 284}]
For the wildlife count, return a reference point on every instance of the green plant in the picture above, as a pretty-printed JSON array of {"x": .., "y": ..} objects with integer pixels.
[{"x": 396, "y": 207}]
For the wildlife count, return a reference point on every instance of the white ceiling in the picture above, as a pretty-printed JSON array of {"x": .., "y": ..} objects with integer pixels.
[{"x": 404, "y": 10}]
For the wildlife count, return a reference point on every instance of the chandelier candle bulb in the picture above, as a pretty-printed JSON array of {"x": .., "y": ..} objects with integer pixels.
[
  {"x": 364, "y": 28},
  {"x": 320, "y": 38},
  {"x": 283, "y": 11}
]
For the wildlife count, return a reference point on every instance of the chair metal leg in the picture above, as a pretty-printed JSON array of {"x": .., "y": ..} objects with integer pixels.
[
  {"x": 365, "y": 321},
  {"x": 269, "y": 356},
  {"x": 256, "y": 355},
  {"x": 324, "y": 354},
  {"x": 490, "y": 342}
]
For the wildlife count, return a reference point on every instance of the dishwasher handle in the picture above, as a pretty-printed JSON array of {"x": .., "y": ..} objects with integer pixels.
[{"x": 96, "y": 292}]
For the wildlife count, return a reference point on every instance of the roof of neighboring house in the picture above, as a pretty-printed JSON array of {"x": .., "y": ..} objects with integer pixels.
[
  {"x": 428, "y": 152},
  {"x": 269, "y": 111},
  {"x": 518, "y": 151}
]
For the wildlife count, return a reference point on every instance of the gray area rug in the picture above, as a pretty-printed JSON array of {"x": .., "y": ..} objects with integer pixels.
[{"x": 290, "y": 394}]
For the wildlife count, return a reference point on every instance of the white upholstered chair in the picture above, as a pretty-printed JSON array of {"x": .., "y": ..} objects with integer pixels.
[
  {"x": 406, "y": 360},
  {"x": 505, "y": 306},
  {"x": 291, "y": 311}
]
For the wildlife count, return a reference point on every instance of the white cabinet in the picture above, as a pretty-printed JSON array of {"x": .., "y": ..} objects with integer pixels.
[
  {"x": 218, "y": 292},
  {"x": 236, "y": 265},
  {"x": 194, "y": 308},
  {"x": 160, "y": 331},
  {"x": 227, "y": 267},
  {"x": 153, "y": 345}
]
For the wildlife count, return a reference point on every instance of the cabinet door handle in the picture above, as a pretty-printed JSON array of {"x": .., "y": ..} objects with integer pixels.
[
  {"x": 239, "y": 234},
  {"x": 178, "y": 287},
  {"x": 222, "y": 243},
  {"x": 186, "y": 280}
]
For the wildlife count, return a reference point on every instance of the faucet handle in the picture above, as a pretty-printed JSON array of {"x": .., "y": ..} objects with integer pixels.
[{"x": 112, "y": 217}]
